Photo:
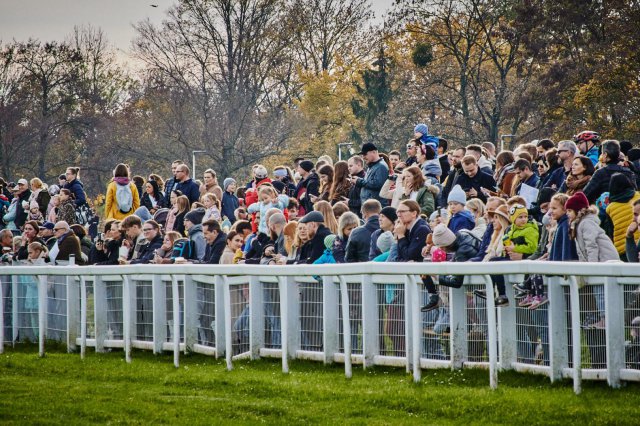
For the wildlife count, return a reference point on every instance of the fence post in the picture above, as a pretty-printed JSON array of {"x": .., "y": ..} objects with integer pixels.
[
  {"x": 73, "y": 313},
  {"x": 190, "y": 313},
  {"x": 329, "y": 318},
  {"x": 558, "y": 359},
  {"x": 284, "y": 321},
  {"x": 370, "y": 340},
  {"x": 458, "y": 325},
  {"x": 159, "y": 303},
  {"x": 614, "y": 324},
  {"x": 409, "y": 323},
  {"x": 414, "y": 305},
  {"x": 227, "y": 323},
  {"x": 14, "y": 308},
  {"x": 175, "y": 298},
  {"x": 42, "y": 313},
  {"x": 575, "y": 335},
  {"x": 83, "y": 316},
  {"x": 346, "y": 326},
  {"x": 1, "y": 317},
  {"x": 507, "y": 327},
  {"x": 256, "y": 317},
  {"x": 492, "y": 330},
  {"x": 220, "y": 314},
  {"x": 100, "y": 312},
  {"x": 128, "y": 313}
]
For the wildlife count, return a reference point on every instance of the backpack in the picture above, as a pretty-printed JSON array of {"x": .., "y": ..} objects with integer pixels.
[
  {"x": 83, "y": 214},
  {"x": 184, "y": 248},
  {"x": 124, "y": 198}
]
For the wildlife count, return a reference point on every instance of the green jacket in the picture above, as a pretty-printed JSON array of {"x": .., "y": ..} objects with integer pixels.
[
  {"x": 425, "y": 198},
  {"x": 525, "y": 239}
]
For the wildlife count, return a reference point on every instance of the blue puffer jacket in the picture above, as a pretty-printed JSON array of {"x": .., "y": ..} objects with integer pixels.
[
  {"x": 461, "y": 220},
  {"x": 229, "y": 205},
  {"x": 376, "y": 175},
  {"x": 77, "y": 189}
]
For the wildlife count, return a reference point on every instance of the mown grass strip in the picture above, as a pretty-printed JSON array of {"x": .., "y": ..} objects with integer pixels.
[{"x": 61, "y": 388}]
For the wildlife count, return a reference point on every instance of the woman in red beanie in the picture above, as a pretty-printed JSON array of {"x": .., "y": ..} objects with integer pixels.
[{"x": 592, "y": 243}]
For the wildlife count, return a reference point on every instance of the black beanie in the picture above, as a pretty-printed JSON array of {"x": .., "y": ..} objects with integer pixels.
[
  {"x": 618, "y": 184},
  {"x": 389, "y": 213},
  {"x": 306, "y": 165},
  {"x": 633, "y": 154},
  {"x": 195, "y": 216},
  {"x": 279, "y": 186},
  {"x": 545, "y": 195}
]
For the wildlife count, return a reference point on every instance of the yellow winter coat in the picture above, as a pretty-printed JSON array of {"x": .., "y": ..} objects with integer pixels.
[
  {"x": 111, "y": 209},
  {"x": 621, "y": 215}
]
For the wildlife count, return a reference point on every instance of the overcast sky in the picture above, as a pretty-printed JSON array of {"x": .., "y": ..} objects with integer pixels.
[{"x": 49, "y": 20}]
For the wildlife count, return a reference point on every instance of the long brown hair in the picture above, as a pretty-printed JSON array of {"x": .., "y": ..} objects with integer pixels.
[
  {"x": 183, "y": 204},
  {"x": 418, "y": 177},
  {"x": 341, "y": 182},
  {"x": 327, "y": 212},
  {"x": 326, "y": 170}
]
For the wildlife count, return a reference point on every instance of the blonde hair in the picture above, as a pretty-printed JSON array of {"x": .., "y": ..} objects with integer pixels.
[
  {"x": 476, "y": 205},
  {"x": 347, "y": 219},
  {"x": 327, "y": 212},
  {"x": 36, "y": 182},
  {"x": 212, "y": 197},
  {"x": 39, "y": 247},
  {"x": 327, "y": 160},
  {"x": 560, "y": 198},
  {"x": 267, "y": 189},
  {"x": 183, "y": 203}
]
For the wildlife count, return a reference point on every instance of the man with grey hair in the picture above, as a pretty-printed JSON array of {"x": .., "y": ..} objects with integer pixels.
[
  {"x": 67, "y": 244},
  {"x": 566, "y": 153}
]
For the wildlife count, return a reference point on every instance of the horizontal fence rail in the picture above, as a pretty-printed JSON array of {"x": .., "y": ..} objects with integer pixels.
[{"x": 357, "y": 314}]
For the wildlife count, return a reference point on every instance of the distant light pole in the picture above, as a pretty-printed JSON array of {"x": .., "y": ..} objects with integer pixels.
[
  {"x": 506, "y": 139},
  {"x": 193, "y": 161},
  {"x": 347, "y": 145}
]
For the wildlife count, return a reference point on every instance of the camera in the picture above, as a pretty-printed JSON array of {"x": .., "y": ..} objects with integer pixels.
[{"x": 393, "y": 178}]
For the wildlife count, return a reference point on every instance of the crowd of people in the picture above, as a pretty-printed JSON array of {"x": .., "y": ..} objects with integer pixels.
[{"x": 574, "y": 200}]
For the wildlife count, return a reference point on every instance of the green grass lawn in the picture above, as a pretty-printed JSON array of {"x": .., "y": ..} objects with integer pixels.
[{"x": 61, "y": 388}]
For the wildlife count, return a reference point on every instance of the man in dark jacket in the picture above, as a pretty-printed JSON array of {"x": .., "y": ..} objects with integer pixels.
[
  {"x": 387, "y": 220},
  {"x": 313, "y": 249},
  {"x": 151, "y": 232},
  {"x": 443, "y": 158},
  {"x": 567, "y": 151},
  {"x": 599, "y": 182},
  {"x": 356, "y": 170},
  {"x": 186, "y": 185},
  {"x": 216, "y": 242},
  {"x": 464, "y": 246},
  {"x": 359, "y": 242},
  {"x": 475, "y": 182},
  {"x": 411, "y": 232},
  {"x": 375, "y": 176},
  {"x": 21, "y": 190},
  {"x": 309, "y": 185},
  {"x": 170, "y": 184},
  {"x": 68, "y": 244},
  {"x": 452, "y": 177}
]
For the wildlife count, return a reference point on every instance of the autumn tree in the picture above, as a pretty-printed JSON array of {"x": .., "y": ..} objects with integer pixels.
[{"x": 230, "y": 60}]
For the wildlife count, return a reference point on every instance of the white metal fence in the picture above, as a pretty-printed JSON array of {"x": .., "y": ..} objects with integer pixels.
[{"x": 366, "y": 314}]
